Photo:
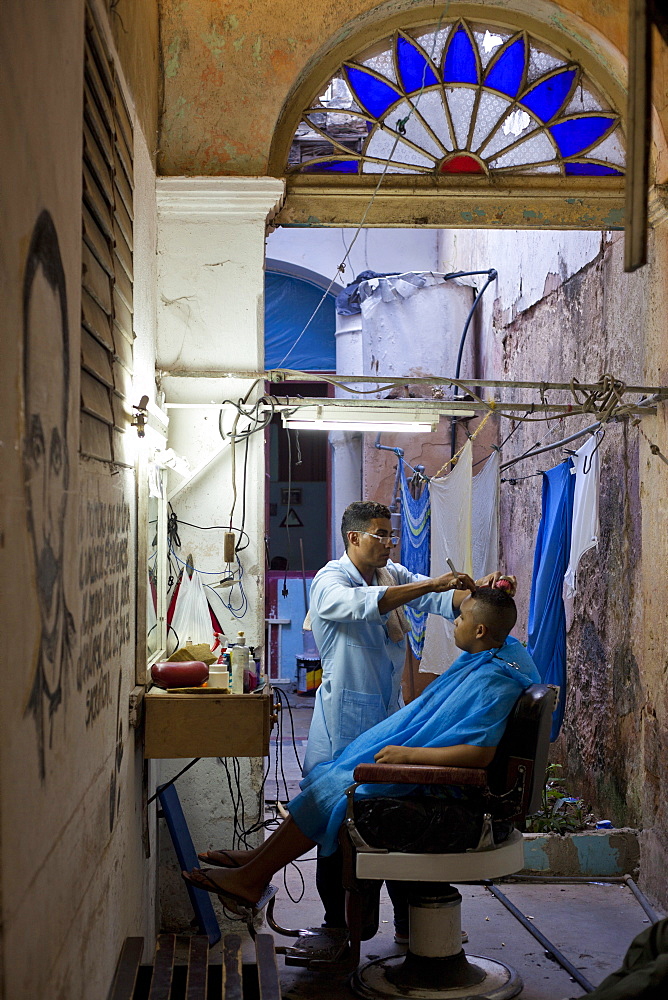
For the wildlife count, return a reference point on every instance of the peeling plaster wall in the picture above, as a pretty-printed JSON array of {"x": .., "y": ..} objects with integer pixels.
[
  {"x": 75, "y": 880},
  {"x": 589, "y": 320},
  {"x": 252, "y": 56}
]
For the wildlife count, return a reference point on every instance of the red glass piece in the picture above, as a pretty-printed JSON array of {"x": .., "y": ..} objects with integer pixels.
[{"x": 462, "y": 164}]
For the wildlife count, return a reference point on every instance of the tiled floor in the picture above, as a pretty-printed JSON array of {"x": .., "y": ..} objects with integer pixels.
[{"x": 590, "y": 923}]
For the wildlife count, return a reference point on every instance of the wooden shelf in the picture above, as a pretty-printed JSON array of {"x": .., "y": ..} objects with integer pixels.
[{"x": 207, "y": 725}]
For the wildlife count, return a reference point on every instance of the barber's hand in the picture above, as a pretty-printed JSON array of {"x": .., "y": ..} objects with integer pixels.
[
  {"x": 395, "y": 755},
  {"x": 452, "y": 581},
  {"x": 492, "y": 579}
]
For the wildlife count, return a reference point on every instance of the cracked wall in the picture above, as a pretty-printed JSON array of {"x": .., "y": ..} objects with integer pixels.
[{"x": 615, "y": 734}]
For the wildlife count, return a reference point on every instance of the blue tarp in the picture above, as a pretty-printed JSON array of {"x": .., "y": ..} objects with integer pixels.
[
  {"x": 288, "y": 304},
  {"x": 547, "y": 618}
]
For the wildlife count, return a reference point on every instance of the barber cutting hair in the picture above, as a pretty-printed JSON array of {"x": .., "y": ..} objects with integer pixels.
[{"x": 359, "y": 627}]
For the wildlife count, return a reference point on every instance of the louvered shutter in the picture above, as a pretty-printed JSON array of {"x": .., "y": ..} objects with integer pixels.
[{"x": 106, "y": 296}]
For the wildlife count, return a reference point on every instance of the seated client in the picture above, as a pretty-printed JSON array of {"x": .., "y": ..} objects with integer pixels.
[{"x": 457, "y": 721}]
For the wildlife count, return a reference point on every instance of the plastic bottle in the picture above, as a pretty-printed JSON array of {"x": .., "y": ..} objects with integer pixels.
[
  {"x": 239, "y": 663},
  {"x": 218, "y": 677}
]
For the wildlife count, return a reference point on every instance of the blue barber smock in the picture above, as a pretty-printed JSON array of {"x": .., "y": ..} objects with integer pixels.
[
  {"x": 468, "y": 704},
  {"x": 361, "y": 665}
]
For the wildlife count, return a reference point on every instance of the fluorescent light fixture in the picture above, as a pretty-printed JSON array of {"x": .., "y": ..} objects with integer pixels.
[
  {"x": 394, "y": 418},
  {"x": 198, "y": 406},
  {"x": 358, "y": 425}
]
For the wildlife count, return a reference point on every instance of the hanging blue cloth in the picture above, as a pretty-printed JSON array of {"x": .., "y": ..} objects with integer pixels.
[
  {"x": 468, "y": 704},
  {"x": 547, "y": 618},
  {"x": 415, "y": 554}
]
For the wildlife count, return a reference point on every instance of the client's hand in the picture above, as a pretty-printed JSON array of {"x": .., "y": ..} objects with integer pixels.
[
  {"x": 509, "y": 583},
  {"x": 396, "y": 755}
]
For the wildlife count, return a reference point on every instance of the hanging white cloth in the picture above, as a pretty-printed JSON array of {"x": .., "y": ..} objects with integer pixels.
[
  {"x": 485, "y": 518},
  {"x": 584, "y": 531},
  {"x": 465, "y": 527},
  {"x": 451, "y": 507}
]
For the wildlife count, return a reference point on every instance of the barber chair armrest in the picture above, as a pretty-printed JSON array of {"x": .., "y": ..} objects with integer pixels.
[{"x": 420, "y": 774}]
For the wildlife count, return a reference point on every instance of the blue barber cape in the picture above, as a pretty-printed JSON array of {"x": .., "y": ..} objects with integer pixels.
[{"x": 469, "y": 703}]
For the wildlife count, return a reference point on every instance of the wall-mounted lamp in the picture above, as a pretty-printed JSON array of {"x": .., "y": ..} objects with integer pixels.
[
  {"x": 141, "y": 416},
  {"x": 150, "y": 422}
]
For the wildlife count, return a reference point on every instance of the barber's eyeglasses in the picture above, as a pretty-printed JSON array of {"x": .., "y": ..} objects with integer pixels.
[{"x": 391, "y": 540}]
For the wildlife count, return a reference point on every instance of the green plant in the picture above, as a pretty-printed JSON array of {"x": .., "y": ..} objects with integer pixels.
[{"x": 560, "y": 812}]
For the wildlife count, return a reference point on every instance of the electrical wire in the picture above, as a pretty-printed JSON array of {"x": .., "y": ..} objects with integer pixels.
[
  {"x": 166, "y": 784},
  {"x": 237, "y": 610},
  {"x": 257, "y": 423},
  {"x": 215, "y": 527},
  {"x": 284, "y": 590}
]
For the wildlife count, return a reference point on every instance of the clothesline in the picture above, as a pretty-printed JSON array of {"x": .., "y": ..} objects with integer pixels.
[
  {"x": 535, "y": 450},
  {"x": 520, "y": 458}
]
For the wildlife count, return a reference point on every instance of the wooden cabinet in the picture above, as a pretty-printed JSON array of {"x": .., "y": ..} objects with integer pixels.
[{"x": 207, "y": 725}]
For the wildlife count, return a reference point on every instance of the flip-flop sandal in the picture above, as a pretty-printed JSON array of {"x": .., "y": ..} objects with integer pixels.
[
  {"x": 209, "y": 857},
  {"x": 200, "y": 879}
]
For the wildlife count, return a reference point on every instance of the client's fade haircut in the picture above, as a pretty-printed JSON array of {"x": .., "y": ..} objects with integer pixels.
[
  {"x": 358, "y": 516},
  {"x": 495, "y": 608}
]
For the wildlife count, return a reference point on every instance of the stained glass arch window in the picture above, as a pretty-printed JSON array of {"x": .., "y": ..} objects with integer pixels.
[{"x": 465, "y": 99}]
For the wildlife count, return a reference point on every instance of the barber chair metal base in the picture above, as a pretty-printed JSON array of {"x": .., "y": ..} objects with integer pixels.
[
  {"x": 388, "y": 977},
  {"x": 436, "y": 965}
]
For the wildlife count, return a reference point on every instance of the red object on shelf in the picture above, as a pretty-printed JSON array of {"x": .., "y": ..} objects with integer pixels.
[{"x": 186, "y": 673}]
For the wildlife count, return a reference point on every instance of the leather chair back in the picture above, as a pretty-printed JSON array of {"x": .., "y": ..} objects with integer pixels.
[{"x": 525, "y": 742}]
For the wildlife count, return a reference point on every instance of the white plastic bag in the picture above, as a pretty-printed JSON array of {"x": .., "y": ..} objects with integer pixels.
[{"x": 191, "y": 618}]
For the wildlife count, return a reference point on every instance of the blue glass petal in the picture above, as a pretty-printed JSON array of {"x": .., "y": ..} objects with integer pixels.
[
  {"x": 414, "y": 69},
  {"x": 546, "y": 98},
  {"x": 576, "y": 134},
  {"x": 331, "y": 166},
  {"x": 592, "y": 169},
  {"x": 506, "y": 73},
  {"x": 374, "y": 95},
  {"x": 460, "y": 61}
]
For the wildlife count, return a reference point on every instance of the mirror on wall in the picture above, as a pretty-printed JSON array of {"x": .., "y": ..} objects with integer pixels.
[{"x": 156, "y": 569}]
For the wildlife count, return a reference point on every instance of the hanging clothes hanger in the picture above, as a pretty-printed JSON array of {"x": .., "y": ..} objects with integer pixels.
[{"x": 600, "y": 434}]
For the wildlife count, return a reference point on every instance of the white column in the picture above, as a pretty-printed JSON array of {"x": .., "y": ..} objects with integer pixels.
[
  {"x": 346, "y": 446},
  {"x": 211, "y": 245},
  {"x": 211, "y": 241}
]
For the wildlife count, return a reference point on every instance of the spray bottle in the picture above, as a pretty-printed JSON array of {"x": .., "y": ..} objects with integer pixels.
[
  {"x": 239, "y": 663},
  {"x": 219, "y": 676}
]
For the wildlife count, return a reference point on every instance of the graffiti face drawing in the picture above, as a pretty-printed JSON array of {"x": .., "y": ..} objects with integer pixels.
[{"x": 46, "y": 466}]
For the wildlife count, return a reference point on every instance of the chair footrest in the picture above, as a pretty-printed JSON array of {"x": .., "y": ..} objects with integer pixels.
[{"x": 470, "y": 866}]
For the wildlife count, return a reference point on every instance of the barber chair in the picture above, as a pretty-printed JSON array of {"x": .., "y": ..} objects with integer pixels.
[{"x": 498, "y": 798}]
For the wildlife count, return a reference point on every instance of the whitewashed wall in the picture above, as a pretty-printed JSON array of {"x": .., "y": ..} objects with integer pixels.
[
  {"x": 211, "y": 245},
  {"x": 75, "y": 878}
]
